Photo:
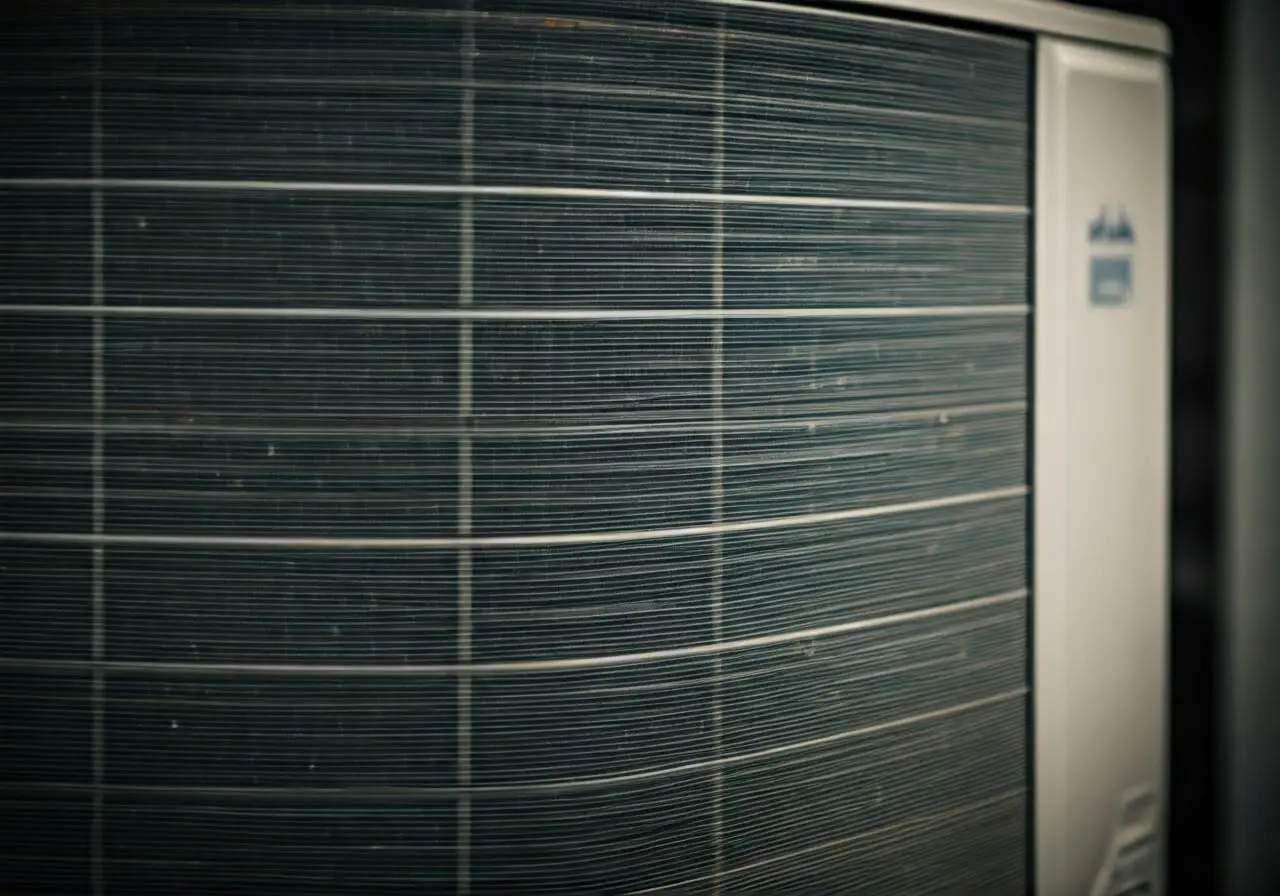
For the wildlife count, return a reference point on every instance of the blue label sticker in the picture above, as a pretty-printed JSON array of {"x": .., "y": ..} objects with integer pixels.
[
  {"x": 1110, "y": 280},
  {"x": 1111, "y": 241}
]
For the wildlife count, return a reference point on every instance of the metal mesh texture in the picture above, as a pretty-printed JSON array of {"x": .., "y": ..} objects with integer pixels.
[{"x": 537, "y": 446}]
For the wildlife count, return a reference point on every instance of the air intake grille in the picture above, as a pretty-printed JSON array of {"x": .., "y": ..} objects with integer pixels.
[{"x": 537, "y": 447}]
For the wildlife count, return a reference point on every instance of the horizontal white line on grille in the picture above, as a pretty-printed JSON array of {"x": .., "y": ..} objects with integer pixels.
[
  {"x": 127, "y": 183},
  {"x": 519, "y": 314},
  {"x": 556, "y": 786},
  {"x": 486, "y": 429},
  {"x": 543, "y": 87},
  {"x": 908, "y": 828},
  {"x": 350, "y": 12},
  {"x": 295, "y": 670},
  {"x": 72, "y": 859},
  {"x": 514, "y": 541}
]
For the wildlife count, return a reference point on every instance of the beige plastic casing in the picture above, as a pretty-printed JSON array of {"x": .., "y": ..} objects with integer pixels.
[{"x": 1101, "y": 446}]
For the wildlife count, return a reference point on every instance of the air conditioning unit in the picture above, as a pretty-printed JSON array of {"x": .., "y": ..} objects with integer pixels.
[{"x": 568, "y": 446}]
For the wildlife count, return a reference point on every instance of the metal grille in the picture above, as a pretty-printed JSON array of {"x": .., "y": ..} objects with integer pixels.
[{"x": 543, "y": 447}]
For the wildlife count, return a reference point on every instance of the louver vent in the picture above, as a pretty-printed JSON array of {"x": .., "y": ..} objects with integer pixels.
[{"x": 544, "y": 447}]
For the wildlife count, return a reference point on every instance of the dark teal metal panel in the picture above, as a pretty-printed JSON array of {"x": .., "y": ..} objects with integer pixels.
[{"x": 758, "y": 623}]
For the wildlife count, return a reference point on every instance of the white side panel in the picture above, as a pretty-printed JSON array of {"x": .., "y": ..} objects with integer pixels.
[
  {"x": 1044, "y": 17},
  {"x": 1101, "y": 437}
]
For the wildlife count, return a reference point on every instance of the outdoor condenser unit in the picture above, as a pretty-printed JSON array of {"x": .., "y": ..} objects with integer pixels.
[{"x": 567, "y": 446}]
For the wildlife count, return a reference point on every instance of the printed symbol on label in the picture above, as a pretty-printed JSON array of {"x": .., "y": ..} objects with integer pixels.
[
  {"x": 1104, "y": 229},
  {"x": 1110, "y": 280},
  {"x": 1111, "y": 259},
  {"x": 1129, "y": 867}
]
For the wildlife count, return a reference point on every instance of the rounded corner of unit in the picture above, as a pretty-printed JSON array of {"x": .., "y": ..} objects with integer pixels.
[{"x": 1162, "y": 39}]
